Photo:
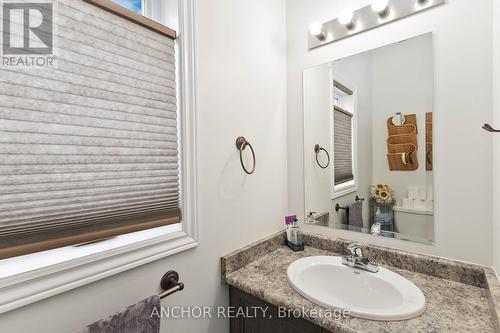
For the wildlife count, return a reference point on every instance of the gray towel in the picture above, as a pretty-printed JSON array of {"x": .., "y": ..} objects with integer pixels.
[
  {"x": 136, "y": 318},
  {"x": 356, "y": 214}
]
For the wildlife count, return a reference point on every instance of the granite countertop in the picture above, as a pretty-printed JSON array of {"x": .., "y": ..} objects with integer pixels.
[{"x": 452, "y": 306}]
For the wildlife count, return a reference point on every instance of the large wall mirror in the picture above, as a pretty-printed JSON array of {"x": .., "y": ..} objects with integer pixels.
[{"x": 368, "y": 142}]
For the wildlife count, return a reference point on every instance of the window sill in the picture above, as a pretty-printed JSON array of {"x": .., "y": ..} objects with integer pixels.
[
  {"x": 340, "y": 191},
  {"x": 34, "y": 277}
]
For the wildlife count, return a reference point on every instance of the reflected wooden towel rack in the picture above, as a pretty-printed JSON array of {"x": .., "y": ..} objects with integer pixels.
[
  {"x": 402, "y": 144},
  {"x": 428, "y": 141}
]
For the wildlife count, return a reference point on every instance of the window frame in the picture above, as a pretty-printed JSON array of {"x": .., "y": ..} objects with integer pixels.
[
  {"x": 23, "y": 288},
  {"x": 352, "y": 185}
]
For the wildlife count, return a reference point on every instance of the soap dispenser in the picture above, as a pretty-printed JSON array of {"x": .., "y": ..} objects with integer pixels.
[
  {"x": 376, "y": 226},
  {"x": 294, "y": 237}
]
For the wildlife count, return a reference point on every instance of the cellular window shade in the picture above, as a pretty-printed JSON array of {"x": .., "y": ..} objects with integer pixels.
[
  {"x": 342, "y": 145},
  {"x": 89, "y": 149}
]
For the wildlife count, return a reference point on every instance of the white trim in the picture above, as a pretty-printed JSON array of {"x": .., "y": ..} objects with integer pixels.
[
  {"x": 187, "y": 102},
  {"x": 146, "y": 8},
  {"x": 344, "y": 189},
  {"x": 32, "y": 286}
]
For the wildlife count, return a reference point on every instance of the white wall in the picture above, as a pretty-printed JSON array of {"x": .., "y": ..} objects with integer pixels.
[
  {"x": 317, "y": 96},
  {"x": 241, "y": 86},
  {"x": 463, "y": 100},
  {"x": 402, "y": 81},
  {"x": 496, "y": 141}
]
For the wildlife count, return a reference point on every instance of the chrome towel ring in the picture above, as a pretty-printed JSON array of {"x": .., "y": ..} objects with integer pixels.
[
  {"x": 317, "y": 150},
  {"x": 241, "y": 144}
]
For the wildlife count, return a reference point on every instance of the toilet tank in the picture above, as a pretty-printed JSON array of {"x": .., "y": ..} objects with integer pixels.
[{"x": 414, "y": 222}]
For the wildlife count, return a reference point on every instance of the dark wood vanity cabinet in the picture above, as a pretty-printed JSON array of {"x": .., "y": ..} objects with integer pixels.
[{"x": 255, "y": 322}]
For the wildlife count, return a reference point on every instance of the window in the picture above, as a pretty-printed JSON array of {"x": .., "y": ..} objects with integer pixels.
[
  {"x": 89, "y": 149},
  {"x": 63, "y": 269},
  {"x": 343, "y": 146},
  {"x": 343, "y": 173},
  {"x": 133, "y": 5}
]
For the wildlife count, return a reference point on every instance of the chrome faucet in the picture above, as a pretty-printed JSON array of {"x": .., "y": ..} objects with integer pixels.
[
  {"x": 357, "y": 260},
  {"x": 311, "y": 219}
]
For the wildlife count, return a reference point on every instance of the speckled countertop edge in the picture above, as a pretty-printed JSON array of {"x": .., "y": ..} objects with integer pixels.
[
  {"x": 242, "y": 257},
  {"x": 493, "y": 293},
  {"x": 469, "y": 274}
]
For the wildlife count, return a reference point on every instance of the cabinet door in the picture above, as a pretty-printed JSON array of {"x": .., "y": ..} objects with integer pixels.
[
  {"x": 270, "y": 323},
  {"x": 260, "y": 323},
  {"x": 298, "y": 326}
]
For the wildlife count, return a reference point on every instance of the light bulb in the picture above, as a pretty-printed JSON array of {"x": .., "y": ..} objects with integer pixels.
[
  {"x": 346, "y": 17},
  {"x": 380, "y": 7},
  {"x": 316, "y": 29}
]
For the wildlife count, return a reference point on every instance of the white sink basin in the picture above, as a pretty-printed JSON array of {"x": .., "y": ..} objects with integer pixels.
[{"x": 384, "y": 295}]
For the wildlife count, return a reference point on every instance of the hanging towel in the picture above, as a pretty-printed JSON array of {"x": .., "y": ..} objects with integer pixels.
[
  {"x": 356, "y": 214},
  {"x": 139, "y": 318}
]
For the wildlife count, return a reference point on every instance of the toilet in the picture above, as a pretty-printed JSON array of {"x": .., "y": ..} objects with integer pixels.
[{"x": 414, "y": 222}]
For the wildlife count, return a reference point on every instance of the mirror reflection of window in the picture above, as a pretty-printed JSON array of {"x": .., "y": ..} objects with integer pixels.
[{"x": 343, "y": 138}]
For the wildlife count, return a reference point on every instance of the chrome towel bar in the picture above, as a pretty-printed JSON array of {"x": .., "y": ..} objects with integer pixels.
[{"x": 170, "y": 283}]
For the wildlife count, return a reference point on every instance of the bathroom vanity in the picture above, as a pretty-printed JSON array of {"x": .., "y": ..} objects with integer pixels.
[{"x": 459, "y": 297}]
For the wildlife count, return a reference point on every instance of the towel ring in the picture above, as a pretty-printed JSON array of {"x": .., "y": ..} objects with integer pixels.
[
  {"x": 317, "y": 150},
  {"x": 241, "y": 144}
]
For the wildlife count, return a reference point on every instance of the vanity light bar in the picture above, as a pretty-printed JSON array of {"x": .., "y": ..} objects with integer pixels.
[{"x": 380, "y": 12}]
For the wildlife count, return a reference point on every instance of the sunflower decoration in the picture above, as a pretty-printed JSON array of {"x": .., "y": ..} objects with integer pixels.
[{"x": 381, "y": 193}]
